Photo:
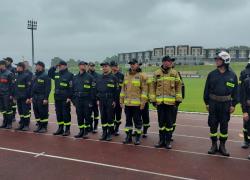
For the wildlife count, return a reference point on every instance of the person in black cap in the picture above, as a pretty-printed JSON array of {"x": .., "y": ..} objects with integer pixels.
[
  {"x": 6, "y": 95},
  {"x": 133, "y": 98},
  {"x": 22, "y": 94},
  {"x": 107, "y": 92},
  {"x": 165, "y": 94},
  {"x": 117, "y": 110},
  {"x": 12, "y": 69},
  {"x": 94, "y": 110},
  {"x": 63, "y": 92},
  {"x": 83, "y": 97},
  {"x": 41, "y": 87}
]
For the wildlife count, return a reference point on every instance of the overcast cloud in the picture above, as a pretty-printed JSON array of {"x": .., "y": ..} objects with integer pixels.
[{"x": 94, "y": 29}]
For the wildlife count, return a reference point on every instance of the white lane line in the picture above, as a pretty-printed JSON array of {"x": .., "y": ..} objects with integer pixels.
[
  {"x": 40, "y": 154},
  {"x": 142, "y": 146},
  {"x": 96, "y": 163}
]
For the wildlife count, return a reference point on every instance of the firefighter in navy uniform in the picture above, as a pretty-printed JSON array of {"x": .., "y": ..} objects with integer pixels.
[
  {"x": 107, "y": 93},
  {"x": 22, "y": 95},
  {"x": 63, "y": 93},
  {"x": 117, "y": 110},
  {"x": 165, "y": 95},
  {"x": 94, "y": 110},
  {"x": 244, "y": 75},
  {"x": 177, "y": 105},
  {"x": 83, "y": 97},
  {"x": 245, "y": 105},
  {"x": 133, "y": 97},
  {"x": 220, "y": 97},
  {"x": 41, "y": 87},
  {"x": 12, "y": 69},
  {"x": 6, "y": 95}
]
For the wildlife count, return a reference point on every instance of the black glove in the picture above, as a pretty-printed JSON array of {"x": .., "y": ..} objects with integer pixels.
[{"x": 177, "y": 104}]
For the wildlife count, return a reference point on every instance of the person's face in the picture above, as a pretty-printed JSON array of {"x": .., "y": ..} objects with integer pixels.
[
  {"x": 105, "y": 68},
  {"x": 218, "y": 62},
  {"x": 115, "y": 68},
  {"x": 19, "y": 69},
  {"x": 92, "y": 68},
  {"x": 167, "y": 64},
  {"x": 82, "y": 67},
  {"x": 8, "y": 63},
  {"x": 134, "y": 67},
  {"x": 26, "y": 63},
  {"x": 2, "y": 67},
  {"x": 62, "y": 67},
  {"x": 39, "y": 68}
]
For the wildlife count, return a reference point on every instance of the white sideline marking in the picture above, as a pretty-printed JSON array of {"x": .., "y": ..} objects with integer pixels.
[
  {"x": 41, "y": 154},
  {"x": 95, "y": 163},
  {"x": 142, "y": 146},
  {"x": 151, "y": 132}
]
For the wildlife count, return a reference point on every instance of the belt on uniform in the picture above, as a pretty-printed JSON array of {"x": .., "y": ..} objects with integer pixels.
[
  {"x": 105, "y": 95},
  {"x": 220, "y": 98},
  {"x": 81, "y": 94}
]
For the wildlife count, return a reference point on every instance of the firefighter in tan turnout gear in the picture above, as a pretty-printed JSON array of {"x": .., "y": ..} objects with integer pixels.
[
  {"x": 133, "y": 98},
  {"x": 165, "y": 95}
]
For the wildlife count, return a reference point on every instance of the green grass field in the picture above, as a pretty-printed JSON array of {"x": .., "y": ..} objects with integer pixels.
[{"x": 193, "y": 101}]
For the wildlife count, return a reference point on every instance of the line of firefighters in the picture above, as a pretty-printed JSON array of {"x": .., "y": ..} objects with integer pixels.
[{"x": 111, "y": 91}]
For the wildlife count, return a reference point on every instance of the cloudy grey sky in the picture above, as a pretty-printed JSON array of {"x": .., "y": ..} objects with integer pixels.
[{"x": 94, "y": 29}]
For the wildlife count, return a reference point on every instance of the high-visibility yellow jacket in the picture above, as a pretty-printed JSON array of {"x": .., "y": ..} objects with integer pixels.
[
  {"x": 134, "y": 90},
  {"x": 166, "y": 87}
]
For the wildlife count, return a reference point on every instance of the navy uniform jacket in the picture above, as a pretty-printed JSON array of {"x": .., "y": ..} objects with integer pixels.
[
  {"x": 221, "y": 85},
  {"x": 63, "y": 83},
  {"x": 41, "y": 85}
]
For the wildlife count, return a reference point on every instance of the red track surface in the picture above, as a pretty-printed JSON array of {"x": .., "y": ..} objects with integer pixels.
[{"x": 25, "y": 155}]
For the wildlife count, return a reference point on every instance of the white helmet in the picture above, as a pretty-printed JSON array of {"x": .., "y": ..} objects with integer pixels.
[{"x": 225, "y": 56}]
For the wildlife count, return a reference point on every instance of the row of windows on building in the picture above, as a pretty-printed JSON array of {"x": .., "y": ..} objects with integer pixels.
[{"x": 184, "y": 53}]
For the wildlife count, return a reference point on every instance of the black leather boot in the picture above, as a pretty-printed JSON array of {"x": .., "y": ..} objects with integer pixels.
[
  {"x": 59, "y": 130},
  {"x": 80, "y": 134},
  {"x": 214, "y": 147},
  {"x": 67, "y": 131},
  {"x": 161, "y": 142},
  {"x": 104, "y": 134},
  {"x": 128, "y": 138},
  {"x": 222, "y": 149}
]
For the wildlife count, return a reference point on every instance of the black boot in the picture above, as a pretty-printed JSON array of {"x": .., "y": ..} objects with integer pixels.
[
  {"x": 80, "y": 134},
  {"x": 26, "y": 122},
  {"x": 4, "y": 124},
  {"x": 248, "y": 157},
  {"x": 39, "y": 127},
  {"x": 161, "y": 142},
  {"x": 128, "y": 138},
  {"x": 95, "y": 129},
  {"x": 145, "y": 131},
  {"x": 104, "y": 134},
  {"x": 67, "y": 131},
  {"x": 214, "y": 147},
  {"x": 9, "y": 123},
  {"x": 137, "y": 139},
  {"x": 168, "y": 145},
  {"x": 85, "y": 134},
  {"x": 59, "y": 130},
  {"x": 109, "y": 133},
  {"x": 44, "y": 127},
  {"x": 222, "y": 149},
  {"x": 246, "y": 142}
]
